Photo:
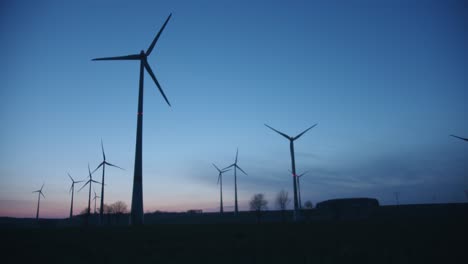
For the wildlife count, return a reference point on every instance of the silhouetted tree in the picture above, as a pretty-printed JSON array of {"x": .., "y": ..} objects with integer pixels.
[
  {"x": 118, "y": 209},
  {"x": 282, "y": 201},
  {"x": 84, "y": 211},
  {"x": 108, "y": 210},
  {"x": 308, "y": 205},
  {"x": 257, "y": 204}
]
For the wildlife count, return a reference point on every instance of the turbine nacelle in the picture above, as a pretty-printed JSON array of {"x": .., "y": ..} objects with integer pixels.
[
  {"x": 289, "y": 137},
  {"x": 142, "y": 57}
]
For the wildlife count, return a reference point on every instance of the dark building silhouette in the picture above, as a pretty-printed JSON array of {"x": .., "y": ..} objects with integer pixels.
[{"x": 348, "y": 209}]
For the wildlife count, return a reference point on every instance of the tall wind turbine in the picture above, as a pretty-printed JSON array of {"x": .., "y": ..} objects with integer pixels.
[
  {"x": 72, "y": 190},
  {"x": 465, "y": 139},
  {"x": 293, "y": 163},
  {"x": 39, "y": 200},
  {"x": 235, "y": 166},
  {"x": 94, "y": 199},
  {"x": 136, "y": 215},
  {"x": 90, "y": 182},
  {"x": 397, "y": 197},
  {"x": 298, "y": 177},
  {"x": 220, "y": 182},
  {"x": 103, "y": 165}
]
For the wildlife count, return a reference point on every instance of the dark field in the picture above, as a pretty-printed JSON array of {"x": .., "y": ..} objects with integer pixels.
[{"x": 440, "y": 239}]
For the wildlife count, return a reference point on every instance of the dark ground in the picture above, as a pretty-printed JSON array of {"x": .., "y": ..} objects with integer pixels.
[{"x": 407, "y": 238}]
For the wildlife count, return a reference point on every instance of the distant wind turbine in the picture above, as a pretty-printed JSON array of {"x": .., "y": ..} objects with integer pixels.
[
  {"x": 298, "y": 177},
  {"x": 465, "y": 139},
  {"x": 235, "y": 166},
  {"x": 72, "y": 190},
  {"x": 220, "y": 182},
  {"x": 397, "y": 197},
  {"x": 103, "y": 165},
  {"x": 95, "y": 198},
  {"x": 293, "y": 164},
  {"x": 136, "y": 215},
  {"x": 39, "y": 200},
  {"x": 90, "y": 182}
]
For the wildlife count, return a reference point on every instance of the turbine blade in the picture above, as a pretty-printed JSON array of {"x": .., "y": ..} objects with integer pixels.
[
  {"x": 216, "y": 167},
  {"x": 78, "y": 181},
  {"x": 241, "y": 170},
  {"x": 90, "y": 173},
  {"x": 99, "y": 166},
  {"x": 298, "y": 136},
  {"x": 127, "y": 57},
  {"x": 150, "y": 49},
  {"x": 95, "y": 181},
  {"x": 71, "y": 187},
  {"x": 103, "y": 154},
  {"x": 148, "y": 69},
  {"x": 281, "y": 133},
  {"x": 42, "y": 186},
  {"x": 35, "y": 191},
  {"x": 232, "y": 165},
  {"x": 70, "y": 177},
  {"x": 84, "y": 185},
  {"x": 42, "y": 194},
  {"x": 465, "y": 139},
  {"x": 219, "y": 176},
  {"x": 112, "y": 165},
  {"x": 223, "y": 171},
  {"x": 237, "y": 154},
  {"x": 304, "y": 173}
]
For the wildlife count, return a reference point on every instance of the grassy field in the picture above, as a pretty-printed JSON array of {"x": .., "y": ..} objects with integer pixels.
[{"x": 364, "y": 241}]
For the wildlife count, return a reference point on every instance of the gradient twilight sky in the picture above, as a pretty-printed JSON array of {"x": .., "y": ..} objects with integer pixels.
[{"x": 386, "y": 81}]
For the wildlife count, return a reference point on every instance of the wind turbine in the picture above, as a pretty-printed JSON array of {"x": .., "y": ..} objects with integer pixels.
[
  {"x": 39, "y": 200},
  {"x": 298, "y": 177},
  {"x": 235, "y": 180},
  {"x": 72, "y": 190},
  {"x": 103, "y": 165},
  {"x": 95, "y": 197},
  {"x": 136, "y": 215},
  {"x": 397, "y": 197},
  {"x": 90, "y": 182},
  {"x": 465, "y": 139},
  {"x": 220, "y": 182},
  {"x": 293, "y": 163}
]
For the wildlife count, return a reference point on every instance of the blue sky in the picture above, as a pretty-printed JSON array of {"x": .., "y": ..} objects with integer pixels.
[{"x": 385, "y": 81}]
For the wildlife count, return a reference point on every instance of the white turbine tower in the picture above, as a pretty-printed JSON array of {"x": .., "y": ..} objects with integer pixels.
[
  {"x": 293, "y": 164},
  {"x": 220, "y": 182},
  {"x": 72, "y": 190},
  {"x": 235, "y": 166},
  {"x": 136, "y": 214},
  {"x": 39, "y": 200}
]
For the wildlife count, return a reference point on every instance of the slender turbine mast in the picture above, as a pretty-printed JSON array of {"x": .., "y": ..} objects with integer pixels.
[
  {"x": 465, "y": 139},
  {"x": 39, "y": 200},
  {"x": 298, "y": 177},
  {"x": 293, "y": 164},
  {"x": 397, "y": 197},
  {"x": 72, "y": 190},
  {"x": 95, "y": 198},
  {"x": 136, "y": 215},
  {"x": 235, "y": 166},
  {"x": 90, "y": 182},
  {"x": 103, "y": 165},
  {"x": 220, "y": 182}
]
